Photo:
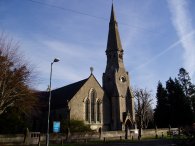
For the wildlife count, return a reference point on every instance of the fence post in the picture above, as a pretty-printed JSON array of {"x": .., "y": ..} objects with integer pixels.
[
  {"x": 104, "y": 139},
  {"x": 156, "y": 132},
  {"x": 120, "y": 138},
  {"x": 62, "y": 142}
]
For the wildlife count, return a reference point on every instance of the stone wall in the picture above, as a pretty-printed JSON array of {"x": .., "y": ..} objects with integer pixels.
[
  {"x": 32, "y": 138},
  {"x": 150, "y": 133},
  {"x": 153, "y": 132},
  {"x": 89, "y": 136},
  {"x": 113, "y": 134},
  {"x": 10, "y": 138}
]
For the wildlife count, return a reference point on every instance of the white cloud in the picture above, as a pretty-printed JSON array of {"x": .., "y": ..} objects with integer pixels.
[
  {"x": 75, "y": 61},
  {"x": 69, "y": 50},
  {"x": 181, "y": 20}
]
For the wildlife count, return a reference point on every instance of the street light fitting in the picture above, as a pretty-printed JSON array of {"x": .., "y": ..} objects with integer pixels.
[{"x": 56, "y": 60}]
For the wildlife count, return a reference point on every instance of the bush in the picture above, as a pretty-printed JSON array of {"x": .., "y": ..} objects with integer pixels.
[
  {"x": 12, "y": 122},
  {"x": 74, "y": 126}
]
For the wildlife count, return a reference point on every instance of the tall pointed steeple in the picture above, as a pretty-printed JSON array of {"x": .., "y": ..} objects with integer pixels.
[
  {"x": 112, "y": 17},
  {"x": 114, "y": 42},
  {"x": 116, "y": 80},
  {"x": 114, "y": 49}
]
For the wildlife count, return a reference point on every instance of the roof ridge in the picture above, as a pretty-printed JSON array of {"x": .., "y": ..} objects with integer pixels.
[{"x": 84, "y": 80}]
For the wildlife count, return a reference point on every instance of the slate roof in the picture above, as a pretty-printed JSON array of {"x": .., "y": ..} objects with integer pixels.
[{"x": 61, "y": 95}]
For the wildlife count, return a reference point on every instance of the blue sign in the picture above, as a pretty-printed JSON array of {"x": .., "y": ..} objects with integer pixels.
[{"x": 56, "y": 126}]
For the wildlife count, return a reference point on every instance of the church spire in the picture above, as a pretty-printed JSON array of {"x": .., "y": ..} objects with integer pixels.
[
  {"x": 114, "y": 42},
  {"x": 114, "y": 49},
  {"x": 112, "y": 16},
  {"x": 116, "y": 79}
]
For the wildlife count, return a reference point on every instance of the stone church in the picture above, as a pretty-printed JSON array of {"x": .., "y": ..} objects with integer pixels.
[{"x": 110, "y": 107}]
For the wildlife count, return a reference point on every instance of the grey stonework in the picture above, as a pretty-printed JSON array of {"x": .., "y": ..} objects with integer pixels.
[
  {"x": 110, "y": 107},
  {"x": 116, "y": 80},
  {"x": 76, "y": 105}
]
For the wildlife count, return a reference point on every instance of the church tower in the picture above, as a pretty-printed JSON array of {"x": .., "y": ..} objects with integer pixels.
[{"x": 116, "y": 81}]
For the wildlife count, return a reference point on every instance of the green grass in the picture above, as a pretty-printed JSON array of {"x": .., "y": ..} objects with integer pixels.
[{"x": 174, "y": 138}]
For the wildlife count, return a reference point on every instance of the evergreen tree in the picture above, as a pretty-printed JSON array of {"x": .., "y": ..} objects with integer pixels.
[
  {"x": 193, "y": 105},
  {"x": 180, "y": 110},
  {"x": 175, "y": 104},
  {"x": 185, "y": 81},
  {"x": 161, "y": 115},
  {"x": 188, "y": 88}
]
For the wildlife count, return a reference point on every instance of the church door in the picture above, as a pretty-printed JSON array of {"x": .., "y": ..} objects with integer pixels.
[{"x": 128, "y": 126}]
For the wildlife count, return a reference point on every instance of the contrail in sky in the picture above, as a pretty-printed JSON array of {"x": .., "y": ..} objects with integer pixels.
[
  {"x": 172, "y": 46},
  {"x": 181, "y": 20}
]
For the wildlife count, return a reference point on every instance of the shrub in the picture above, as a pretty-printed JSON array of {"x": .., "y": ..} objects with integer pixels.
[{"x": 74, "y": 126}]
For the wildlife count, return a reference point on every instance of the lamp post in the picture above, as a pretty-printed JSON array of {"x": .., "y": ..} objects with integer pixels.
[{"x": 47, "y": 138}]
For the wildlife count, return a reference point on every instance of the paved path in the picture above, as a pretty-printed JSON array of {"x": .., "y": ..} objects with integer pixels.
[{"x": 140, "y": 143}]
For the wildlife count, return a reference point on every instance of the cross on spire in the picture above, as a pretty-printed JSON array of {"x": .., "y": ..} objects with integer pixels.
[{"x": 91, "y": 69}]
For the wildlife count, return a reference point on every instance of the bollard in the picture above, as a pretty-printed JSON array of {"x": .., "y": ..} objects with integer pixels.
[
  {"x": 39, "y": 143},
  {"x": 132, "y": 138},
  {"x": 62, "y": 141},
  {"x": 162, "y": 135},
  {"x": 156, "y": 136},
  {"x": 104, "y": 139},
  {"x": 120, "y": 138}
]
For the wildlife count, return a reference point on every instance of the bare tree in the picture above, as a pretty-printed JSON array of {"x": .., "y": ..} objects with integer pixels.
[
  {"x": 143, "y": 109},
  {"x": 15, "y": 78}
]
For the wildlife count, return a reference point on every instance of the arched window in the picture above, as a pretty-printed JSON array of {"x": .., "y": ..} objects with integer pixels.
[
  {"x": 93, "y": 95},
  {"x": 98, "y": 111},
  {"x": 87, "y": 113}
]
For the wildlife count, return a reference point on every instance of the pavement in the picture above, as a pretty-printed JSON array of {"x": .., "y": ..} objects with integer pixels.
[{"x": 139, "y": 143}]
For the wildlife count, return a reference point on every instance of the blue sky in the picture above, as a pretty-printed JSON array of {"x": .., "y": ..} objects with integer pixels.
[{"x": 158, "y": 37}]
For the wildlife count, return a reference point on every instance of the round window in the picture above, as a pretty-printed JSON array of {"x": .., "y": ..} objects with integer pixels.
[{"x": 122, "y": 79}]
